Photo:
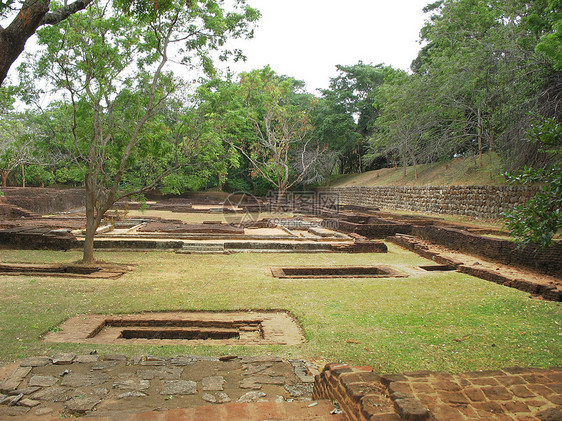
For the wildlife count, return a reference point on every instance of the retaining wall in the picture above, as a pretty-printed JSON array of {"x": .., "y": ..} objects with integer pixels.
[
  {"x": 44, "y": 200},
  {"x": 476, "y": 201},
  {"x": 548, "y": 261}
]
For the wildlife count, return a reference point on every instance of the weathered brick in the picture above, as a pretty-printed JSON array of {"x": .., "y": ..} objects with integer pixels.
[
  {"x": 447, "y": 413},
  {"x": 363, "y": 377},
  {"x": 484, "y": 381},
  {"x": 510, "y": 380},
  {"x": 429, "y": 400},
  {"x": 497, "y": 393},
  {"x": 516, "y": 406},
  {"x": 375, "y": 404},
  {"x": 446, "y": 385},
  {"x": 411, "y": 409},
  {"x": 555, "y": 399},
  {"x": 421, "y": 387},
  {"x": 550, "y": 414},
  {"x": 484, "y": 409},
  {"x": 484, "y": 373},
  {"x": 454, "y": 398},
  {"x": 518, "y": 370},
  {"x": 334, "y": 366},
  {"x": 389, "y": 378},
  {"x": 13, "y": 381},
  {"x": 540, "y": 389},
  {"x": 418, "y": 374},
  {"x": 475, "y": 394},
  {"x": 357, "y": 390},
  {"x": 555, "y": 376},
  {"x": 536, "y": 402},
  {"x": 534, "y": 378},
  {"x": 521, "y": 391},
  {"x": 399, "y": 387}
]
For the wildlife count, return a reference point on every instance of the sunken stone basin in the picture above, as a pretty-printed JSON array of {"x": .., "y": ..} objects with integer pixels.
[
  {"x": 182, "y": 328},
  {"x": 306, "y": 272}
]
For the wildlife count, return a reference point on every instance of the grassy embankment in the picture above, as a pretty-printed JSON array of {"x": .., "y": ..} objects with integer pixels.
[{"x": 460, "y": 172}]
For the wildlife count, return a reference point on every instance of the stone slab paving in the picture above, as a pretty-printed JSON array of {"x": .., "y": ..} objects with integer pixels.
[
  {"x": 521, "y": 394},
  {"x": 109, "y": 385},
  {"x": 322, "y": 410}
]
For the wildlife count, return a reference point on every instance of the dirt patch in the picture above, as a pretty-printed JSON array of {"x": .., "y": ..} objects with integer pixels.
[
  {"x": 181, "y": 328},
  {"x": 313, "y": 272},
  {"x": 64, "y": 271}
]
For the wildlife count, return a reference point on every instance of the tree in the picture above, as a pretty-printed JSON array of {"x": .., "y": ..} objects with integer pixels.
[
  {"x": 30, "y": 15},
  {"x": 18, "y": 145},
  {"x": 344, "y": 119},
  {"x": 540, "y": 219},
  {"x": 27, "y": 16},
  {"x": 282, "y": 153},
  {"x": 477, "y": 80},
  {"x": 112, "y": 67}
]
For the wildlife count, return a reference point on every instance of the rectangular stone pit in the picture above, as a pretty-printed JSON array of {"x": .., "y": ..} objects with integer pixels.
[
  {"x": 182, "y": 328},
  {"x": 438, "y": 268},
  {"x": 63, "y": 270},
  {"x": 313, "y": 272}
]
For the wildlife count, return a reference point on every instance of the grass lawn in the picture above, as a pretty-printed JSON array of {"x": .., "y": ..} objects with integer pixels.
[{"x": 437, "y": 321}]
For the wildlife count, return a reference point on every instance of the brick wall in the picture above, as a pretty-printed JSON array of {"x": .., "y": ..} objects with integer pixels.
[
  {"x": 44, "y": 200},
  {"x": 548, "y": 261},
  {"x": 475, "y": 201}
]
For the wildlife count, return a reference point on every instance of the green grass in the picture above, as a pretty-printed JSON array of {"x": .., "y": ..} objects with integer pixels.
[
  {"x": 436, "y": 321},
  {"x": 458, "y": 172}
]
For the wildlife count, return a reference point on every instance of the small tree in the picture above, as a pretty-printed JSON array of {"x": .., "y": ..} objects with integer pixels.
[
  {"x": 113, "y": 69},
  {"x": 538, "y": 221},
  {"x": 17, "y": 145},
  {"x": 282, "y": 153}
]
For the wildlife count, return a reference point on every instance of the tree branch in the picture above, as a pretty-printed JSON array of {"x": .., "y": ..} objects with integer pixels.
[{"x": 52, "y": 18}]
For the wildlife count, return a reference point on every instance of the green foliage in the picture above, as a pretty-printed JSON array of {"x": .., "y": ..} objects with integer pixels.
[
  {"x": 546, "y": 21},
  {"x": 345, "y": 117},
  {"x": 278, "y": 111},
  {"x": 486, "y": 66},
  {"x": 71, "y": 175},
  {"x": 541, "y": 218}
]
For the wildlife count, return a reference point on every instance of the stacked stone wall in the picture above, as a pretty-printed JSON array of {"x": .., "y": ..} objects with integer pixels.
[
  {"x": 475, "y": 201},
  {"x": 548, "y": 261},
  {"x": 44, "y": 200}
]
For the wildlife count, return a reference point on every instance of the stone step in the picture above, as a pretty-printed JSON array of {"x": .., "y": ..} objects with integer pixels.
[
  {"x": 256, "y": 411},
  {"x": 202, "y": 248}
]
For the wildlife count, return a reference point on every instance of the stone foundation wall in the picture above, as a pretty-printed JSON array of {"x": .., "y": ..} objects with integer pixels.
[
  {"x": 476, "y": 201},
  {"x": 548, "y": 261},
  {"x": 44, "y": 200}
]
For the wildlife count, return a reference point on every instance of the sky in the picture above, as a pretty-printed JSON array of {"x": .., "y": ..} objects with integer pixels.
[{"x": 306, "y": 39}]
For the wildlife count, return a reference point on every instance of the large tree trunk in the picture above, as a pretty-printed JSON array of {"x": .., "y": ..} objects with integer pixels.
[
  {"x": 31, "y": 16},
  {"x": 14, "y": 37}
]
